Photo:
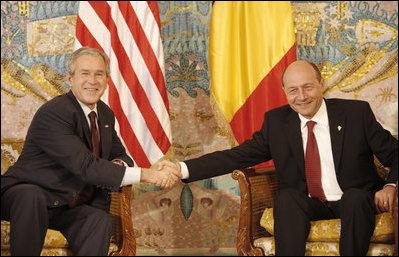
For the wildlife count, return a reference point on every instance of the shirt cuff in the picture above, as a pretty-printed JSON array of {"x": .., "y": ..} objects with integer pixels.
[
  {"x": 132, "y": 176},
  {"x": 184, "y": 170},
  {"x": 390, "y": 184}
]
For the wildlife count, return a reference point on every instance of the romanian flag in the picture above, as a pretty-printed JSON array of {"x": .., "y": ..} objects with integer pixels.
[{"x": 250, "y": 45}]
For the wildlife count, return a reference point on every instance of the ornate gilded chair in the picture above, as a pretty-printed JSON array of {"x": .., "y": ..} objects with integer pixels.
[
  {"x": 255, "y": 232},
  {"x": 123, "y": 241}
]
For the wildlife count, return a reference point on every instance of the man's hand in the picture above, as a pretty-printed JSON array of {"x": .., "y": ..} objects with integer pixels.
[
  {"x": 164, "y": 174},
  {"x": 168, "y": 164},
  {"x": 383, "y": 199}
]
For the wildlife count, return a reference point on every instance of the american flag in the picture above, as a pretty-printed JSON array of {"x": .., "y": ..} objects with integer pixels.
[{"x": 129, "y": 33}]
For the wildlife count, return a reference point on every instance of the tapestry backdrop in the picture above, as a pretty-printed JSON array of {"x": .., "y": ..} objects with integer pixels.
[{"x": 354, "y": 43}]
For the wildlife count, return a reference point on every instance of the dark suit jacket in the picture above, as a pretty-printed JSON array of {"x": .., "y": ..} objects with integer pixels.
[
  {"x": 280, "y": 139},
  {"x": 57, "y": 154}
]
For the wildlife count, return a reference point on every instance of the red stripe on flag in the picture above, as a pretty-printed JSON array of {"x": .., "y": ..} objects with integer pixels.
[
  {"x": 84, "y": 35},
  {"x": 155, "y": 10},
  {"x": 268, "y": 95},
  {"x": 125, "y": 129},
  {"x": 131, "y": 80},
  {"x": 145, "y": 47}
]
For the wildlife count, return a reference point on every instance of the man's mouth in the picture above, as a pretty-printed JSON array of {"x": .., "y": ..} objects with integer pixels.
[
  {"x": 91, "y": 89},
  {"x": 304, "y": 104}
]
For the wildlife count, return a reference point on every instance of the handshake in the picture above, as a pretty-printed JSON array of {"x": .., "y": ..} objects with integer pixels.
[{"x": 164, "y": 174}]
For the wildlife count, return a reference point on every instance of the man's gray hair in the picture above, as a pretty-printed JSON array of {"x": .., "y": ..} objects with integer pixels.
[{"x": 86, "y": 51}]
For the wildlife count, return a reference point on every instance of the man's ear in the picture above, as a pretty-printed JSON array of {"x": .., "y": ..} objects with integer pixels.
[
  {"x": 322, "y": 83},
  {"x": 68, "y": 78}
]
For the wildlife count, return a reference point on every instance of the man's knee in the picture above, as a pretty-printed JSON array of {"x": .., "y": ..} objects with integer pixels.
[
  {"x": 286, "y": 195},
  {"x": 101, "y": 218},
  {"x": 288, "y": 199},
  {"x": 106, "y": 219},
  {"x": 24, "y": 197}
]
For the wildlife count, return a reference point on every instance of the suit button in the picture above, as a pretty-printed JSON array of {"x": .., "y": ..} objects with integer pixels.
[{"x": 56, "y": 203}]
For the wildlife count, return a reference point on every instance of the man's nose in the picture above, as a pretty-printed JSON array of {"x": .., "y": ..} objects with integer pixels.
[
  {"x": 302, "y": 94},
  {"x": 92, "y": 78}
]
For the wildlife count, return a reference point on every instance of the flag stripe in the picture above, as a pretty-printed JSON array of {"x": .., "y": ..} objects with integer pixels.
[
  {"x": 138, "y": 100},
  {"x": 141, "y": 37},
  {"x": 155, "y": 11},
  {"x": 153, "y": 33},
  {"x": 125, "y": 129},
  {"x": 150, "y": 84}
]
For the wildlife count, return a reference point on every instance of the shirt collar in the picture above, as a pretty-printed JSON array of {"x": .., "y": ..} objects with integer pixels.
[
  {"x": 86, "y": 109},
  {"x": 320, "y": 117}
]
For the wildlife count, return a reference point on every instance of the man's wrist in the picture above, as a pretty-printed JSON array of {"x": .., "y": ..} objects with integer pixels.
[{"x": 145, "y": 175}]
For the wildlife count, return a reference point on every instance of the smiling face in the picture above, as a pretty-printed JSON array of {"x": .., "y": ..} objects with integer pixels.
[
  {"x": 89, "y": 79},
  {"x": 303, "y": 88}
]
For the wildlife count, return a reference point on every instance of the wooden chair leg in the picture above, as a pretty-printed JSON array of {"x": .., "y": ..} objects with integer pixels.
[{"x": 120, "y": 204}]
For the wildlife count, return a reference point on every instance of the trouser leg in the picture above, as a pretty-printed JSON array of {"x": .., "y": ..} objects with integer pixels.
[
  {"x": 25, "y": 206},
  {"x": 87, "y": 229},
  {"x": 357, "y": 212},
  {"x": 292, "y": 213}
]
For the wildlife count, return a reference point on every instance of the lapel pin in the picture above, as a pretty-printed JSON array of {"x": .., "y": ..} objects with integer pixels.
[
  {"x": 106, "y": 126},
  {"x": 339, "y": 128}
]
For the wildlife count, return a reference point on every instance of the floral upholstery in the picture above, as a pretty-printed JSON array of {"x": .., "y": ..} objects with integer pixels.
[
  {"x": 329, "y": 230},
  {"x": 324, "y": 248}
]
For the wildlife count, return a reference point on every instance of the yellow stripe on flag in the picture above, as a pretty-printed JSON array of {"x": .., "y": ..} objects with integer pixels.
[{"x": 247, "y": 39}]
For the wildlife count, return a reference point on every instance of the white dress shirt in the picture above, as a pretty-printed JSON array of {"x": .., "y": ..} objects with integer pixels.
[{"x": 132, "y": 174}]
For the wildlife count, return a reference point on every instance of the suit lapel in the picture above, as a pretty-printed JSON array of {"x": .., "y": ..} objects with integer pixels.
[
  {"x": 293, "y": 132},
  {"x": 337, "y": 123},
  {"x": 85, "y": 124}
]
